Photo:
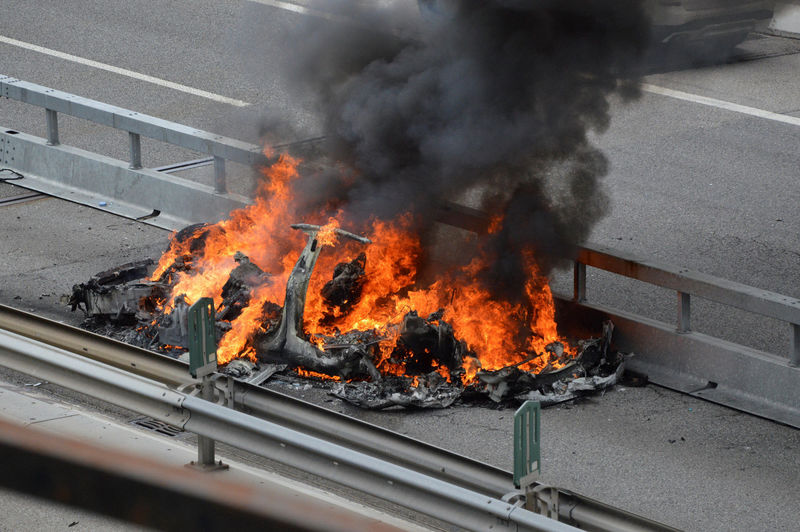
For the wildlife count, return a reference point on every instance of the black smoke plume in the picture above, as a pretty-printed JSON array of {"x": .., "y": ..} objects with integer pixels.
[{"x": 488, "y": 99}]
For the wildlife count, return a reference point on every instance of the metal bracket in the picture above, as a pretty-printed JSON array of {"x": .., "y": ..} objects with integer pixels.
[
  {"x": 225, "y": 385},
  {"x": 527, "y": 463},
  {"x": 543, "y": 500}
]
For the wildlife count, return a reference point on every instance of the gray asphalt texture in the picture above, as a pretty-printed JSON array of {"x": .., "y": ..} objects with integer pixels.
[{"x": 691, "y": 185}]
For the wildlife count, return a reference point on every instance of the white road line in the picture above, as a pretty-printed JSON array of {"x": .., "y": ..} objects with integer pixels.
[
  {"x": 124, "y": 72},
  {"x": 298, "y": 7},
  {"x": 721, "y": 104}
]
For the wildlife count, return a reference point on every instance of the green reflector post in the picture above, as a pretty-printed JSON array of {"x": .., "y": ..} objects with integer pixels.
[
  {"x": 526, "y": 443},
  {"x": 202, "y": 338}
]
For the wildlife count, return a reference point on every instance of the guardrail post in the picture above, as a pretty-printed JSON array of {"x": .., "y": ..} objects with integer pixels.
[
  {"x": 794, "y": 356},
  {"x": 52, "y": 127},
  {"x": 684, "y": 312},
  {"x": 220, "y": 186},
  {"x": 136, "y": 150},
  {"x": 205, "y": 446},
  {"x": 579, "y": 282},
  {"x": 202, "y": 363}
]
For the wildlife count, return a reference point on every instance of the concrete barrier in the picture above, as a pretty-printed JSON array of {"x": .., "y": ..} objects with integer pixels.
[
  {"x": 786, "y": 19},
  {"x": 111, "y": 185}
]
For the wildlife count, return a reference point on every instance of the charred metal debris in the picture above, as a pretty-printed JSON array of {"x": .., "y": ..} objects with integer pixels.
[{"x": 123, "y": 304}]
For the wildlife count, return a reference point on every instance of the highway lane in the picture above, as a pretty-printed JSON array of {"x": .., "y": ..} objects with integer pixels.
[{"x": 694, "y": 185}]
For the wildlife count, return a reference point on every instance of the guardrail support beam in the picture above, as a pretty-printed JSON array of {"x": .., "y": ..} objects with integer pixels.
[
  {"x": 684, "y": 312},
  {"x": 220, "y": 184},
  {"x": 579, "y": 282},
  {"x": 136, "y": 150},
  {"x": 52, "y": 127},
  {"x": 794, "y": 355}
]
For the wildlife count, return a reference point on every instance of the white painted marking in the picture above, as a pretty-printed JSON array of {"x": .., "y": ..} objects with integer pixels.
[
  {"x": 124, "y": 72},
  {"x": 298, "y": 7},
  {"x": 721, "y": 104}
]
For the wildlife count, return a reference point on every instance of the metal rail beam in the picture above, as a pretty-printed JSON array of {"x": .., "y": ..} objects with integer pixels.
[
  {"x": 709, "y": 368},
  {"x": 373, "y": 440},
  {"x": 55, "y": 101},
  {"x": 270, "y": 405},
  {"x": 149, "y": 493},
  {"x": 221, "y": 148},
  {"x": 685, "y": 282},
  {"x": 698, "y": 284},
  {"x": 430, "y": 496},
  {"x": 95, "y": 347}
]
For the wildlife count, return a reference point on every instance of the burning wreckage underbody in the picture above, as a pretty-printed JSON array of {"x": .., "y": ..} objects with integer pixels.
[{"x": 124, "y": 304}]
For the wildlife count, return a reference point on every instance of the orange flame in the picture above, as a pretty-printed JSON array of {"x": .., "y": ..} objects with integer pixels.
[
  {"x": 500, "y": 332},
  {"x": 308, "y": 373}
]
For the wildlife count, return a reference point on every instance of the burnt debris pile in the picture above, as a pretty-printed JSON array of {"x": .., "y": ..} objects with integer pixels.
[{"x": 417, "y": 362}]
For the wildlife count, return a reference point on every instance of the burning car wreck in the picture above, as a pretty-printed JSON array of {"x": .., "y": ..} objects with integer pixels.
[{"x": 414, "y": 361}]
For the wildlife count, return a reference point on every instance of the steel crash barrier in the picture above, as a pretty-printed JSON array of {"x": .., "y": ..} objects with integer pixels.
[
  {"x": 428, "y": 495},
  {"x": 675, "y": 356},
  {"x": 427, "y": 479},
  {"x": 301, "y": 418},
  {"x": 120, "y": 187},
  {"x": 671, "y": 355}
]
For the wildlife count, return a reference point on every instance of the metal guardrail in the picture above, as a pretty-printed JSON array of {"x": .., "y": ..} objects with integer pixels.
[
  {"x": 319, "y": 422},
  {"x": 688, "y": 283},
  {"x": 268, "y": 404},
  {"x": 136, "y": 124},
  {"x": 428, "y": 495}
]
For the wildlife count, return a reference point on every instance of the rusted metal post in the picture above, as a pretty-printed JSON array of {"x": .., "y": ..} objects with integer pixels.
[
  {"x": 220, "y": 184},
  {"x": 579, "y": 282},
  {"x": 52, "y": 127},
  {"x": 684, "y": 312},
  {"x": 136, "y": 150}
]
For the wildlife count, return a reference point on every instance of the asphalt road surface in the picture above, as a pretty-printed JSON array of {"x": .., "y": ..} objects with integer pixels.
[{"x": 693, "y": 183}]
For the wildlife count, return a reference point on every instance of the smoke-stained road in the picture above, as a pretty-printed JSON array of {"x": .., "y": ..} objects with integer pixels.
[{"x": 692, "y": 184}]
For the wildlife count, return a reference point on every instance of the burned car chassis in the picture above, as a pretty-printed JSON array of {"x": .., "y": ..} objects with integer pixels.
[{"x": 122, "y": 303}]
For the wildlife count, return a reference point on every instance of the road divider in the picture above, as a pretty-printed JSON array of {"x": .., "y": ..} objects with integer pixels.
[{"x": 786, "y": 19}]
